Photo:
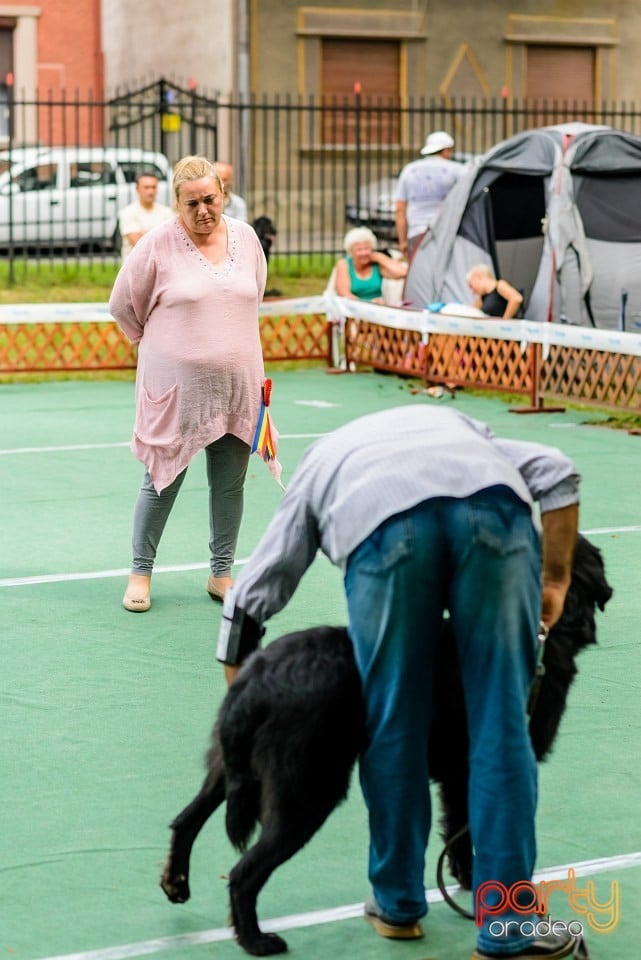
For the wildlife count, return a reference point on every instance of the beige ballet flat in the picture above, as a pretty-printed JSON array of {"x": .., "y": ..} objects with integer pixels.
[
  {"x": 137, "y": 597},
  {"x": 217, "y": 587}
]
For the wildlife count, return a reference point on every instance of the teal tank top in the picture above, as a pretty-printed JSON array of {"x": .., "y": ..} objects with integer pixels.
[{"x": 368, "y": 289}]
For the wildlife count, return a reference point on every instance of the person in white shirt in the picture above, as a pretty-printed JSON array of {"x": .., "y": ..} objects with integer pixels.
[
  {"x": 422, "y": 187},
  {"x": 144, "y": 213},
  {"x": 235, "y": 206}
]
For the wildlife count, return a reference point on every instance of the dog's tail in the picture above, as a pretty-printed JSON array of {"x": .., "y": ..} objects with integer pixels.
[
  {"x": 243, "y": 808},
  {"x": 241, "y": 717}
]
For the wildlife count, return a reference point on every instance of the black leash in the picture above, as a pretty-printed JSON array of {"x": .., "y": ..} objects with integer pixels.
[
  {"x": 439, "y": 875},
  {"x": 535, "y": 688}
]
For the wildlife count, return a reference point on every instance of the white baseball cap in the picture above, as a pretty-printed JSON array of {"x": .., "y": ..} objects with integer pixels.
[{"x": 437, "y": 141}]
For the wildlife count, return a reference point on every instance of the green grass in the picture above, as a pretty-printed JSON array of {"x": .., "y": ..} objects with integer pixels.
[
  {"x": 41, "y": 281},
  {"x": 46, "y": 281},
  {"x": 615, "y": 420}
]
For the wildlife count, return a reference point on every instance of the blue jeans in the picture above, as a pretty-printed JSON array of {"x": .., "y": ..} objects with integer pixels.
[{"x": 479, "y": 558}]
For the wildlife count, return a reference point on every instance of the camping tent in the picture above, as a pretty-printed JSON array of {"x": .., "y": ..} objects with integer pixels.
[{"x": 557, "y": 212}]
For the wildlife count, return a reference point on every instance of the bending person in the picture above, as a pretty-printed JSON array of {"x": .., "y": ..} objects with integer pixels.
[{"x": 425, "y": 509}]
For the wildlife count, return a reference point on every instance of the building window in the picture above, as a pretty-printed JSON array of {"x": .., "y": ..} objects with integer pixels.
[
  {"x": 561, "y": 74},
  {"x": 561, "y": 59},
  {"x": 377, "y": 49},
  {"x": 6, "y": 68},
  {"x": 19, "y": 27},
  {"x": 369, "y": 70}
]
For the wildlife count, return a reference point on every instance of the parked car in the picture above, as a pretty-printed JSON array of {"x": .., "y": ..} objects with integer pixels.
[
  {"x": 375, "y": 206},
  {"x": 70, "y": 197}
]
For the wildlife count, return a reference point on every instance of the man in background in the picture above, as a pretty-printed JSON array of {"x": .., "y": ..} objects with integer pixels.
[
  {"x": 144, "y": 213},
  {"x": 235, "y": 206},
  {"x": 422, "y": 187}
]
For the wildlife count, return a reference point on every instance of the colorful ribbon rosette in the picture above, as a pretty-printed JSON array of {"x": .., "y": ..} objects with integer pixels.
[{"x": 265, "y": 442}]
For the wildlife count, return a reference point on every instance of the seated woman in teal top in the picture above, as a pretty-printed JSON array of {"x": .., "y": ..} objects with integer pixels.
[{"x": 360, "y": 274}]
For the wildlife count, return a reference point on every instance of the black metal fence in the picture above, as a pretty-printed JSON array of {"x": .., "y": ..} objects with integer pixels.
[{"x": 314, "y": 168}]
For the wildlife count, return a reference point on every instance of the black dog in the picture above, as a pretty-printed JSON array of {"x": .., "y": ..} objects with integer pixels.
[
  {"x": 266, "y": 232},
  {"x": 291, "y": 727}
]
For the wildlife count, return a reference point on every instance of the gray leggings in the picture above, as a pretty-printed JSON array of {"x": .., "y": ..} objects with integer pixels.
[{"x": 227, "y": 461}]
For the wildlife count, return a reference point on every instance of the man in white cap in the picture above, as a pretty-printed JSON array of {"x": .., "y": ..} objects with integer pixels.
[{"x": 422, "y": 187}]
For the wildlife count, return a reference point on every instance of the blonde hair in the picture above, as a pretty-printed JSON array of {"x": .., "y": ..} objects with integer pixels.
[
  {"x": 480, "y": 270},
  {"x": 359, "y": 235},
  {"x": 194, "y": 168}
]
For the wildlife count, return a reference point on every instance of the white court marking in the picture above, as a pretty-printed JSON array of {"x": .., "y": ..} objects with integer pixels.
[
  {"x": 184, "y": 567},
  {"x": 316, "y": 917},
  {"x": 68, "y": 446},
  {"x": 10, "y": 451}
]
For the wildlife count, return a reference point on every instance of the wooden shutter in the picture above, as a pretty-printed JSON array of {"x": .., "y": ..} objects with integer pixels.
[
  {"x": 375, "y": 66},
  {"x": 561, "y": 74}
]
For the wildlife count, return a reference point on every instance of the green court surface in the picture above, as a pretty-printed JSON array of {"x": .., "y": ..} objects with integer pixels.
[{"x": 106, "y": 715}]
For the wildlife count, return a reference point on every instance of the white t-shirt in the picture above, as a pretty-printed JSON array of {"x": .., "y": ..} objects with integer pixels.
[
  {"x": 236, "y": 207},
  {"x": 423, "y": 185},
  {"x": 137, "y": 219}
]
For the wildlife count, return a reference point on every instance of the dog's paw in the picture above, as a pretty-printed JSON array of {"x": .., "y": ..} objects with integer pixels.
[
  {"x": 175, "y": 886},
  {"x": 264, "y": 945}
]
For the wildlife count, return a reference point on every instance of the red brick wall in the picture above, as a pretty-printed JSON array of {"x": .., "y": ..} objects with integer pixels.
[
  {"x": 70, "y": 48},
  {"x": 69, "y": 68}
]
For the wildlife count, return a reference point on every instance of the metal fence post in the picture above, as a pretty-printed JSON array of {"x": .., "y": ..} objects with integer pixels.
[
  {"x": 10, "y": 126},
  {"x": 536, "y": 400},
  {"x": 357, "y": 146}
]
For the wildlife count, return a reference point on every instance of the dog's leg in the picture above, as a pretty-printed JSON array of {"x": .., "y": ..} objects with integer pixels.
[
  {"x": 185, "y": 829},
  {"x": 283, "y": 834},
  {"x": 246, "y": 880}
]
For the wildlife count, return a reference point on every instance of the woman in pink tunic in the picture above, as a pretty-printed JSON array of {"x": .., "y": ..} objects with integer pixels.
[{"x": 189, "y": 295}]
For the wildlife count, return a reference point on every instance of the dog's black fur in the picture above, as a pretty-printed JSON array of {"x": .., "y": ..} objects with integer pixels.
[
  {"x": 266, "y": 232},
  {"x": 291, "y": 727}
]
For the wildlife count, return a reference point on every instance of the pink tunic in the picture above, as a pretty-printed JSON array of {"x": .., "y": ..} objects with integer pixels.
[{"x": 200, "y": 365}]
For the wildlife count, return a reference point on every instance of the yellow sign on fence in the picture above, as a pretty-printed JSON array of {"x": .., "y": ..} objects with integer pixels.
[{"x": 170, "y": 122}]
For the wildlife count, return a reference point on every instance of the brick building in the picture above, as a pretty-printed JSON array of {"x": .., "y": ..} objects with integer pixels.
[{"x": 51, "y": 50}]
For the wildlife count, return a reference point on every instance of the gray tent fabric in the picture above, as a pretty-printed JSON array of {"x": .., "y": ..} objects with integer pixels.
[{"x": 556, "y": 211}]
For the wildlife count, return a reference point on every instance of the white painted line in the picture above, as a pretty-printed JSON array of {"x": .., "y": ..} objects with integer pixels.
[
  {"x": 126, "y": 443},
  {"x": 317, "y": 917},
  {"x": 606, "y": 531},
  {"x": 183, "y": 567},
  {"x": 68, "y": 446},
  {"x": 315, "y": 403},
  {"x": 102, "y": 574}
]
